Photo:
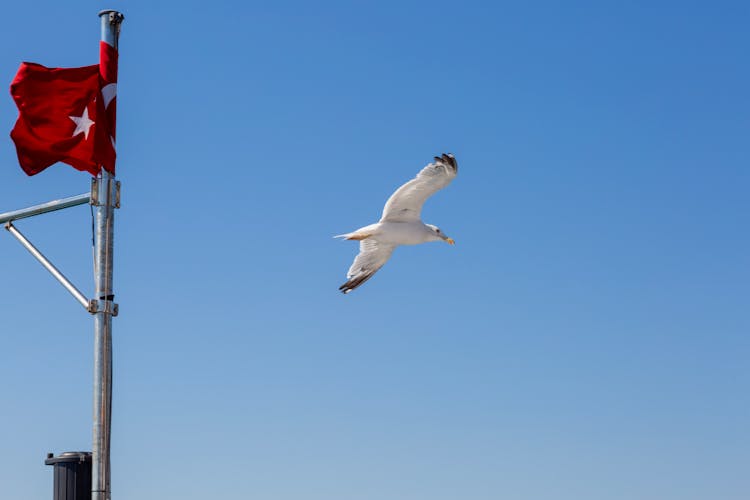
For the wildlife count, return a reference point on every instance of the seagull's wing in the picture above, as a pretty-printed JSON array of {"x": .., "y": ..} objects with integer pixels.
[
  {"x": 372, "y": 255},
  {"x": 405, "y": 204}
]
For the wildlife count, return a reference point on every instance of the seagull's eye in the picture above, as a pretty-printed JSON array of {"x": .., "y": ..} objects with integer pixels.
[{"x": 438, "y": 230}]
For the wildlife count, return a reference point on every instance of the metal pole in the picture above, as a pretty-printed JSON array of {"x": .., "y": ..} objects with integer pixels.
[
  {"x": 48, "y": 266},
  {"x": 43, "y": 208},
  {"x": 104, "y": 218}
]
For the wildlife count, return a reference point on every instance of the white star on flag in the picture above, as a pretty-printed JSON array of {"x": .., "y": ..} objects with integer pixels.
[{"x": 83, "y": 123}]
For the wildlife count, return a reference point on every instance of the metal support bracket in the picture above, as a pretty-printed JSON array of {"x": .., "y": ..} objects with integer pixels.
[
  {"x": 105, "y": 306},
  {"x": 95, "y": 201},
  {"x": 45, "y": 208}
]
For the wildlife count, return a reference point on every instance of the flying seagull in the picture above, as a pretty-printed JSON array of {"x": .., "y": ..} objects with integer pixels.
[{"x": 401, "y": 223}]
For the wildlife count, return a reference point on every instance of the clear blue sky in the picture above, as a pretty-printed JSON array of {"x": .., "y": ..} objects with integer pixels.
[{"x": 586, "y": 338}]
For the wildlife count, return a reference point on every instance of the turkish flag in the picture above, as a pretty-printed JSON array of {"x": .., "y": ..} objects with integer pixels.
[{"x": 67, "y": 115}]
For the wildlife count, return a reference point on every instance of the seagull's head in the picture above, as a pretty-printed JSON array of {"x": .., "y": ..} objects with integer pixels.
[{"x": 439, "y": 235}]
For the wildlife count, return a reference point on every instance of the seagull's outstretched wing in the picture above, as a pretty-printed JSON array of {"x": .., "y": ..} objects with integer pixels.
[
  {"x": 372, "y": 255},
  {"x": 406, "y": 203}
]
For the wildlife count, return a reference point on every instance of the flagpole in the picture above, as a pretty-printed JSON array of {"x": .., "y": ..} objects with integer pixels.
[{"x": 104, "y": 218}]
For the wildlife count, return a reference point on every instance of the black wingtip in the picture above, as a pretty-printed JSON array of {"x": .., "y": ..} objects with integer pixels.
[
  {"x": 355, "y": 282},
  {"x": 448, "y": 159}
]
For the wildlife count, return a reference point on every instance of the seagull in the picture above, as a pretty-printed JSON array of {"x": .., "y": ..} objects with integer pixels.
[{"x": 401, "y": 223}]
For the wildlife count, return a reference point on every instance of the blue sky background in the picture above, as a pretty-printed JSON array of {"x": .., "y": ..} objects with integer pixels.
[{"x": 586, "y": 338}]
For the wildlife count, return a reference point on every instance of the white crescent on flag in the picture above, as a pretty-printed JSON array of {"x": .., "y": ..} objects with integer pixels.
[{"x": 109, "y": 92}]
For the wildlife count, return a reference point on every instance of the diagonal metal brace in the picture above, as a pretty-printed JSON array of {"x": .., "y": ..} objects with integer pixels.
[{"x": 65, "y": 282}]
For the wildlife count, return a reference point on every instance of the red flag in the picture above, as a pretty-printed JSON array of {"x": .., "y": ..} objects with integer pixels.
[
  {"x": 108, "y": 76},
  {"x": 64, "y": 115}
]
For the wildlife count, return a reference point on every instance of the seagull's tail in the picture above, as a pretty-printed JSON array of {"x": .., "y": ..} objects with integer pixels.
[
  {"x": 354, "y": 236},
  {"x": 359, "y": 234}
]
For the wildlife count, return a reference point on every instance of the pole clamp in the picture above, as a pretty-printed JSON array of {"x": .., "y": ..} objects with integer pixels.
[
  {"x": 95, "y": 201},
  {"x": 103, "y": 306}
]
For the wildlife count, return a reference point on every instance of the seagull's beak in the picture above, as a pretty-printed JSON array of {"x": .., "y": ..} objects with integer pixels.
[{"x": 450, "y": 240}]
